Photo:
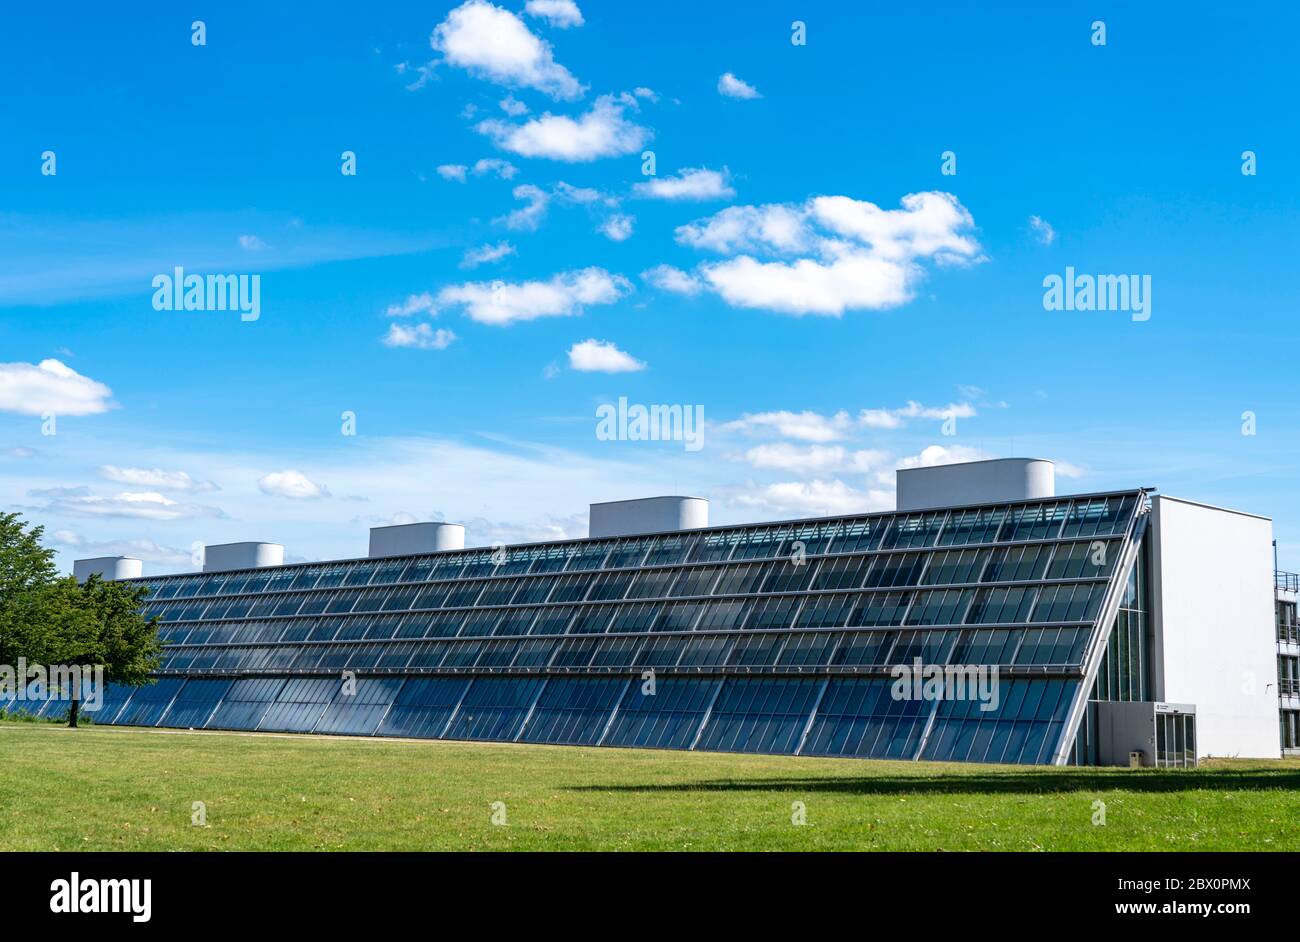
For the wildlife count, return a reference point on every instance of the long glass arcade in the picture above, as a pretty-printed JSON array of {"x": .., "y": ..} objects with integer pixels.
[{"x": 771, "y": 638}]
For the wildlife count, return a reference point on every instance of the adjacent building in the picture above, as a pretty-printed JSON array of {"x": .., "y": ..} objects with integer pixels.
[{"x": 986, "y": 619}]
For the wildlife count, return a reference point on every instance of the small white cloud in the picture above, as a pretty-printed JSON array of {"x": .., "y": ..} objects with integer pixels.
[
  {"x": 139, "y": 505},
  {"x": 694, "y": 183},
  {"x": 566, "y": 294},
  {"x": 50, "y": 387},
  {"x": 618, "y": 227},
  {"x": 817, "y": 498},
  {"x": 291, "y": 484},
  {"x": 147, "y": 550},
  {"x": 414, "y": 304},
  {"x": 805, "y": 426},
  {"x": 251, "y": 243},
  {"x": 494, "y": 44},
  {"x": 527, "y": 218},
  {"x": 601, "y": 356},
  {"x": 732, "y": 87},
  {"x": 897, "y": 418},
  {"x": 815, "y": 459},
  {"x": 601, "y": 132},
  {"x": 486, "y": 253},
  {"x": 1043, "y": 230},
  {"x": 513, "y": 106},
  {"x": 559, "y": 13},
  {"x": 453, "y": 172},
  {"x": 420, "y": 337},
  {"x": 156, "y": 478},
  {"x": 649, "y": 94},
  {"x": 577, "y": 194},
  {"x": 668, "y": 278},
  {"x": 833, "y": 253},
  {"x": 944, "y": 454},
  {"x": 502, "y": 168}
]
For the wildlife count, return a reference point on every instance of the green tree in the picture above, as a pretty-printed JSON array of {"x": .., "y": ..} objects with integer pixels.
[
  {"x": 25, "y": 567},
  {"x": 51, "y": 620},
  {"x": 101, "y": 623}
]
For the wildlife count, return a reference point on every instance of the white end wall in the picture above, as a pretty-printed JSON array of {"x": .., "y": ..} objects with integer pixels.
[{"x": 1214, "y": 639}]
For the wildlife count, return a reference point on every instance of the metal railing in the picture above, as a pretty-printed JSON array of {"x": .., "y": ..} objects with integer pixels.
[
  {"x": 1289, "y": 581},
  {"x": 1288, "y": 688}
]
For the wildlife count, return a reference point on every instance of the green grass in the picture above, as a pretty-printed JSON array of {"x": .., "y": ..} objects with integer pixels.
[{"x": 119, "y": 789}]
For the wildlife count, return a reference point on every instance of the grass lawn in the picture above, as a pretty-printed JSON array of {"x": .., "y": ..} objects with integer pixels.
[{"x": 122, "y": 789}]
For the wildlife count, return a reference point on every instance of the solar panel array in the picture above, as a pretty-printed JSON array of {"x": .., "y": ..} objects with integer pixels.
[{"x": 779, "y": 638}]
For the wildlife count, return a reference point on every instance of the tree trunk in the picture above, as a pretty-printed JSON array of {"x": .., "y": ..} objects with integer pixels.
[{"x": 73, "y": 709}]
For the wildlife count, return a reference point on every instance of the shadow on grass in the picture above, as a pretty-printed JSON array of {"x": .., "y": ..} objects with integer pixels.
[{"x": 962, "y": 783}]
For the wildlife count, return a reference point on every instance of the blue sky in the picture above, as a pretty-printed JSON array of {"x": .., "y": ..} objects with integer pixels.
[{"x": 826, "y": 272}]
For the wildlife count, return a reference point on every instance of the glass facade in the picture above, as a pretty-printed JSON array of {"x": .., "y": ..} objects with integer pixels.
[{"x": 779, "y": 638}]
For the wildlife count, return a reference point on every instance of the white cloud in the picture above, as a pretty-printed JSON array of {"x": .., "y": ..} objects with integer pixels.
[
  {"x": 848, "y": 254},
  {"x": 143, "y": 549},
  {"x": 816, "y": 498},
  {"x": 291, "y": 484},
  {"x": 649, "y": 94},
  {"x": 486, "y": 253},
  {"x": 140, "y": 505},
  {"x": 559, "y": 13},
  {"x": 1066, "y": 469},
  {"x": 251, "y": 243},
  {"x": 618, "y": 227},
  {"x": 668, "y": 278},
  {"x": 414, "y": 304},
  {"x": 732, "y": 87},
  {"x": 453, "y": 172},
  {"x": 530, "y": 216},
  {"x": 693, "y": 183},
  {"x": 808, "y": 286},
  {"x": 156, "y": 478},
  {"x": 1043, "y": 230},
  {"x": 50, "y": 387},
  {"x": 601, "y": 132},
  {"x": 944, "y": 454},
  {"x": 928, "y": 226},
  {"x": 577, "y": 194},
  {"x": 502, "y": 168},
  {"x": 815, "y": 459},
  {"x": 601, "y": 356},
  {"x": 494, "y": 44},
  {"x": 565, "y": 294},
  {"x": 897, "y": 418},
  {"x": 513, "y": 106},
  {"x": 774, "y": 227},
  {"x": 805, "y": 426},
  {"x": 421, "y": 337}
]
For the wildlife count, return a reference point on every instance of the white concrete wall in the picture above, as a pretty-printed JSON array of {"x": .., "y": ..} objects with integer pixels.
[
  {"x": 647, "y": 515},
  {"x": 109, "y": 568},
  {"x": 223, "y": 556},
  {"x": 1214, "y": 641},
  {"x": 409, "y": 539},
  {"x": 975, "y": 482}
]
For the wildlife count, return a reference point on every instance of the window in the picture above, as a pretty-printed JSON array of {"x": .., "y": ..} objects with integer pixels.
[
  {"x": 843, "y": 572},
  {"x": 955, "y": 567},
  {"x": 1001, "y": 606},
  {"x": 1017, "y": 563},
  {"x": 913, "y": 530},
  {"x": 896, "y": 569},
  {"x": 1033, "y": 522}
]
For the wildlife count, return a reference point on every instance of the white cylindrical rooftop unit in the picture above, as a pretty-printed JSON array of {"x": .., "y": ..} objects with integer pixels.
[
  {"x": 108, "y": 568},
  {"x": 242, "y": 556},
  {"x": 975, "y": 482},
  {"x": 410, "y": 539},
  {"x": 647, "y": 515}
]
